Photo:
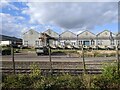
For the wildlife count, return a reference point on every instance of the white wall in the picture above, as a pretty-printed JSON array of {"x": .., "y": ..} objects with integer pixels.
[
  {"x": 31, "y": 37},
  {"x": 5, "y": 42}
]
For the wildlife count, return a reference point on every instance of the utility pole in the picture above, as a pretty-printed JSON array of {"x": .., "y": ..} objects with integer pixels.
[
  {"x": 12, "y": 53},
  {"x": 83, "y": 59}
]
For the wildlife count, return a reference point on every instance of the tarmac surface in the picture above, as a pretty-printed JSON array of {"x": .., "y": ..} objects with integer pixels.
[
  {"x": 57, "y": 58},
  {"x": 60, "y": 63}
]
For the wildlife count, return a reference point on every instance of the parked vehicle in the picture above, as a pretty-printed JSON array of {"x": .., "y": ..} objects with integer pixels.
[{"x": 42, "y": 51}]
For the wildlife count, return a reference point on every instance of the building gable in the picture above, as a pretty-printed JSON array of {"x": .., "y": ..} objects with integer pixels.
[
  {"x": 68, "y": 35},
  {"x": 86, "y": 35},
  {"x": 105, "y": 34},
  {"x": 118, "y": 36},
  {"x": 52, "y": 33},
  {"x": 31, "y": 32},
  {"x": 31, "y": 35}
]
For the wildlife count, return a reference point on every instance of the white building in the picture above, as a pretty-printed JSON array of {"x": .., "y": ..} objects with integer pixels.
[
  {"x": 31, "y": 38},
  {"x": 4, "y": 43},
  {"x": 8, "y": 40},
  {"x": 53, "y": 34},
  {"x": 106, "y": 39},
  {"x": 86, "y": 38},
  {"x": 103, "y": 39},
  {"x": 68, "y": 37}
]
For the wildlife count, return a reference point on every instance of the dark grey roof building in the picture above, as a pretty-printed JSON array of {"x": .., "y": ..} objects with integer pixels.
[
  {"x": 6, "y": 40},
  {"x": 9, "y": 38}
]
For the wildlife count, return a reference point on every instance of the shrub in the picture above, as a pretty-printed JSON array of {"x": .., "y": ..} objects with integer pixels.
[
  {"x": 6, "y": 51},
  {"x": 35, "y": 76},
  {"x": 35, "y": 71},
  {"x": 109, "y": 77},
  {"x": 16, "y": 81},
  {"x": 22, "y": 81},
  {"x": 69, "y": 82},
  {"x": 65, "y": 81}
]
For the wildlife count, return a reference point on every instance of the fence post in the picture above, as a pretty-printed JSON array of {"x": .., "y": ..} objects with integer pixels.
[
  {"x": 83, "y": 60},
  {"x": 51, "y": 71},
  {"x": 12, "y": 51},
  {"x": 118, "y": 63}
]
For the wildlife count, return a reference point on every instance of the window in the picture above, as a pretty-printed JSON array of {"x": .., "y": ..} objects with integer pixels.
[
  {"x": 100, "y": 42},
  {"x": 80, "y": 42},
  {"x": 26, "y": 43},
  {"x": 73, "y": 43},
  {"x": 36, "y": 42},
  {"x": 62, "y": 43},
  {"x": 92, "y": 42},
  {"x": 119, "y": 42},
  {"x": 112, "y": 42}
]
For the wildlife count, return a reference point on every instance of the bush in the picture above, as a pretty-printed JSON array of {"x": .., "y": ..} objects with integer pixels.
[
  {"x": 69, "y": 82},
  {"x": 109, "y": 77},
  {"x": 64, "y": 82},
  {"x": 6, "y": 52},
  {"x": 36, "y": 78},
  {"x": 22, "y": 81},
  {"x": 43, "y": 83}
]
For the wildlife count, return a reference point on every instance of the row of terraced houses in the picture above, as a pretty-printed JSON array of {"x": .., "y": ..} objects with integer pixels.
[{"x": 103, "y": 39}]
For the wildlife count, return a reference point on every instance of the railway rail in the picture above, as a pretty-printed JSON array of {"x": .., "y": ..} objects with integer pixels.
[{"x": 54, "y": 71}]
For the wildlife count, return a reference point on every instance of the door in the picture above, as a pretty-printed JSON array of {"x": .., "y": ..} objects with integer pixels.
[{"x": 87, "y": 43}]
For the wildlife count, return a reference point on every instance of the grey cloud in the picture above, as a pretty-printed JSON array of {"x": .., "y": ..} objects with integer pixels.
[{"x": 73, "y": 15}]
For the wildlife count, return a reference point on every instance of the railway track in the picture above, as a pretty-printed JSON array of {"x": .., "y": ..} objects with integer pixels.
[
  {"x": 54, "y": 71},
  {"x": 57, "y": 67},
  {"x": 57, "y": 63}
]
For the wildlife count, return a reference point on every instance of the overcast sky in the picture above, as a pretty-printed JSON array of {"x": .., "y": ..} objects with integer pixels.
[{"x": 19, "y": 17}]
